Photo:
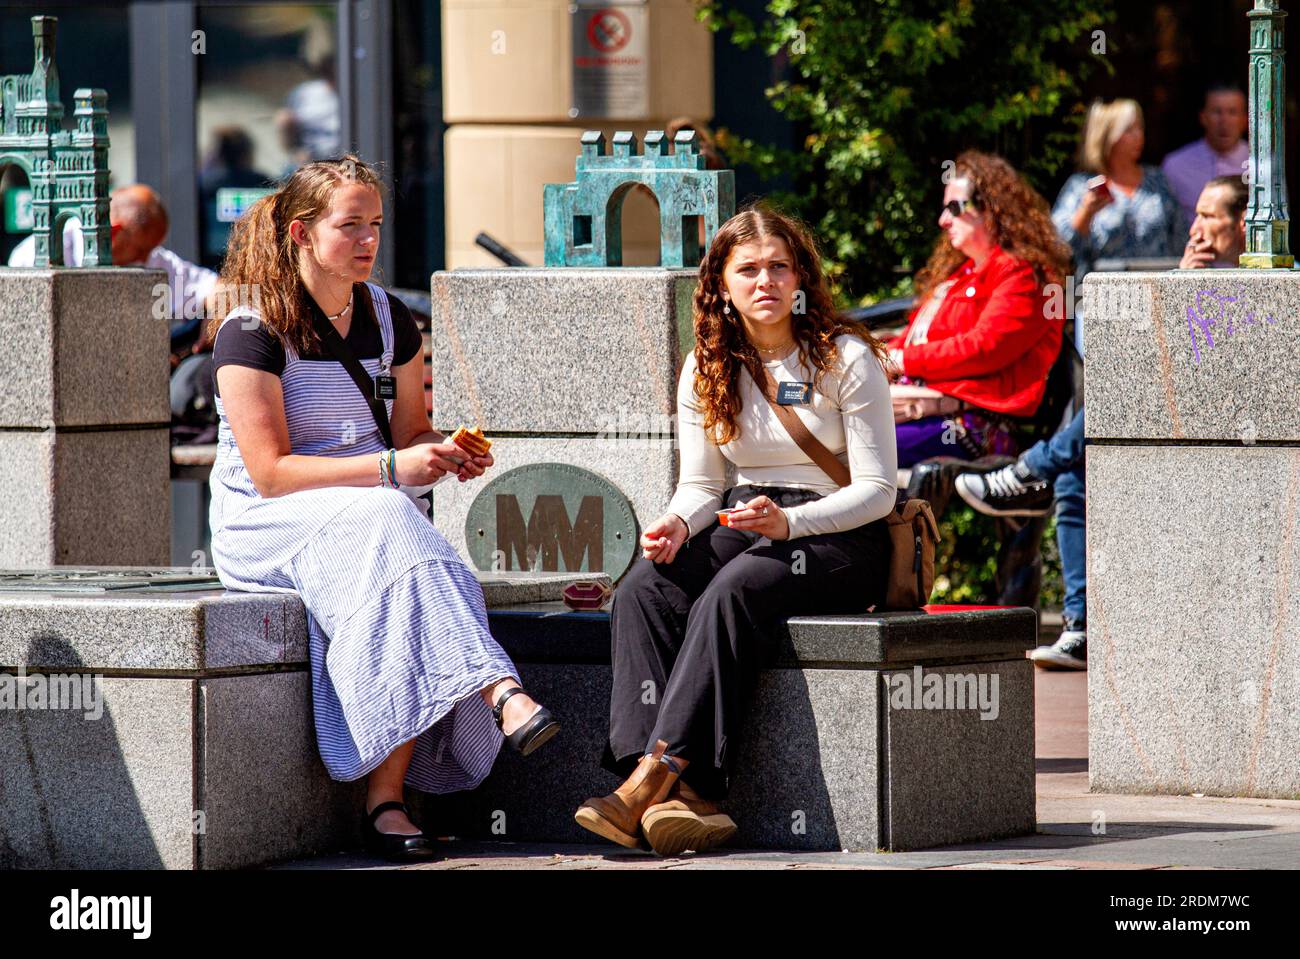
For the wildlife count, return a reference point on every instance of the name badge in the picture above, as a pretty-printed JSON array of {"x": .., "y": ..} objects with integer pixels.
[
  {"x": 385, "y": 387},
  {"x": 790, "y": 394}
]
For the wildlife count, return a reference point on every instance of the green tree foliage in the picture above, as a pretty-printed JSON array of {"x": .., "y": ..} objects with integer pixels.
[
  {"x": 966, "y": 561},
  {"x": 885, "y": 91}
]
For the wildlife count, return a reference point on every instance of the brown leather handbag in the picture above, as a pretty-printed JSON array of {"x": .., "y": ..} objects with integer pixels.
[{"x": 913, "y": 532}]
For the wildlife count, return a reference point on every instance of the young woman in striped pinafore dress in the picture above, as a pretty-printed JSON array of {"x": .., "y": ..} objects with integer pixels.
[{"x": 307, "y": 498}]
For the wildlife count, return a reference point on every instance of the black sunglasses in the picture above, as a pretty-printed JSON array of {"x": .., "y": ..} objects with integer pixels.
[{"x": 958, "y": 207}]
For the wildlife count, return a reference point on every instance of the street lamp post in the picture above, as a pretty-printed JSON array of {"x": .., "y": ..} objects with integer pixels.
[{"x": 1267, "y": 219}]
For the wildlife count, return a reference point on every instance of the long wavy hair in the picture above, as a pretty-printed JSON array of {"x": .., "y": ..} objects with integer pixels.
[
  {"x": 722, "y": 349},
  {"x": 261, "y": 256},
  {"x": 1018, "y": 218}
]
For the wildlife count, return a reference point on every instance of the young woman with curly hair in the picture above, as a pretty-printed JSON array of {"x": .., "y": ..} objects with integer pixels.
[
  {"x": 979, "y": 345},
  {"x": 694, "y": 618}
]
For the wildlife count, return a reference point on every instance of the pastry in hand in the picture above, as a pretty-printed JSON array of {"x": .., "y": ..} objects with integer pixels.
[{"x": 472, "y": 441}]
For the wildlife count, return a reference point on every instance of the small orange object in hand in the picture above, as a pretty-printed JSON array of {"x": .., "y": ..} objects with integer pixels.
[{"x": 472, "y": 441}]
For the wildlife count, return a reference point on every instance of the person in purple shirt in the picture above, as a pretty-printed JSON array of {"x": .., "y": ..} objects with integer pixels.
[{"x": 1221, "y": 152}]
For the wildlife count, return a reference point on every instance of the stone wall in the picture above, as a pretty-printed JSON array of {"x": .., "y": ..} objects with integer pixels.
[
  {"x": 1193, "y": 420},
  {"x": 84, "y": 419}
]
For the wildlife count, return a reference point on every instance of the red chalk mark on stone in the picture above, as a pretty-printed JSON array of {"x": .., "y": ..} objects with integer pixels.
[{"x": 1166, "y": 368}]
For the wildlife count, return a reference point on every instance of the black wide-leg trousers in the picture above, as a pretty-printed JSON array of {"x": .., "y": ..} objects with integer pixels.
[{"x": 688, "y": 637}]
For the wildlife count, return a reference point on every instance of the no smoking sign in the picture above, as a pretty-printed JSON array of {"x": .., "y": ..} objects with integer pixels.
[
  {"x": 611, "y": 59},
  {"x": 609, "y": 30}
]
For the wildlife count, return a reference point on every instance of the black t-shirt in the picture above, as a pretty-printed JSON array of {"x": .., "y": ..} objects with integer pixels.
[{"x": 260, "y": 348}]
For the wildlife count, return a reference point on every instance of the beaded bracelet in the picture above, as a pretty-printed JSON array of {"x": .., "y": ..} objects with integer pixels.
[{"x": 383, "y": 477}]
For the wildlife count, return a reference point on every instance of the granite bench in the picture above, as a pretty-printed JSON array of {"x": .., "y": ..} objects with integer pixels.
[
  {"x": 833, "y": 757},
  {"x": 203, "y": 756},
  {"x": 193, "y": 745}
]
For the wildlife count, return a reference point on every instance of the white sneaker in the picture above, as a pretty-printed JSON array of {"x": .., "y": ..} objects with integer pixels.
[
  {"x": 1068, "y": 652},
  {"x": 1010, "y": 491}
]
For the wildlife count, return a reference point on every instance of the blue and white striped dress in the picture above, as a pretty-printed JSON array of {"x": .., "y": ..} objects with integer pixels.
[{"x": 397, "y": 624}]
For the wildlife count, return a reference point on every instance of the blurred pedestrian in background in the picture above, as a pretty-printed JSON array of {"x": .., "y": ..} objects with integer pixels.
[
  {"x": 228, "y": 165},
  {"x": 1117, "y": 206},
  {"x": 309, "y": 124},
  {"x": 139, "y": 224},
  {"x": 1221, "y": 152}
]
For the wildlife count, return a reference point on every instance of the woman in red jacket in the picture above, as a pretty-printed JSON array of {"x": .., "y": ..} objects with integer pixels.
[{"x": 979, "y": 345}]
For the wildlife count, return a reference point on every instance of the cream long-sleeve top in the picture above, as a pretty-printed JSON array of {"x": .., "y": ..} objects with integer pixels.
[{"x": 851, "y": 414}]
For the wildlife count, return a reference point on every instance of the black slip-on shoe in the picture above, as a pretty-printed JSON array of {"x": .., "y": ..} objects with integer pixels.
[{"x": 393, "y": 846}]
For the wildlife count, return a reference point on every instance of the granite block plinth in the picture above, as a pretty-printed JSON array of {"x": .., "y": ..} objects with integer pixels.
[
  {"x": 1193, "y": 610},
  {"x": 865, "y": 640},
  {"x": 152, "y": 633},
  {"x": 175, "y": 774},
  {"x": 263, "y": 792},
  {"x": 92, "y": 497},
  {"x": 826, "y": 761},
  {"x": 27, "y": 537},
  {"x": 644, "y": 471},
  {"x": 204, "y": 756},
  {"x": 808, "y": 775},
  {"x": 233, "y": 629},
  {"x": 908, "y": 636},
  {"x": 112, "y": 501},
  {"x": 156, "y": 631},
  {"x": 82, "y": 348},
  {"x": 956, "y": 776},
  {"x": 600, "y": 346},
  {"x": 113, "y": 792},
  {"x": 1193, "y": 355}
]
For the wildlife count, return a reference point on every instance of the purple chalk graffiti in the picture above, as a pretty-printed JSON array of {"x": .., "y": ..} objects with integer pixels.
[{"x": 1198, "y": 317}]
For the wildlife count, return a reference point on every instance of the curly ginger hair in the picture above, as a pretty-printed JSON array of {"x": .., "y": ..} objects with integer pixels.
[{"x": 1020, "y": 223}]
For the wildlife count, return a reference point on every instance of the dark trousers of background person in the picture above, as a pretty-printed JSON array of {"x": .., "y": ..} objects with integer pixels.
[
  {"x": 1061, "y": 459},
  {"x": 690, "y": 636}
]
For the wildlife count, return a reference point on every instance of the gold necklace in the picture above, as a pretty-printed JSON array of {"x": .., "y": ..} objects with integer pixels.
[{"x": 777, "y": 349}]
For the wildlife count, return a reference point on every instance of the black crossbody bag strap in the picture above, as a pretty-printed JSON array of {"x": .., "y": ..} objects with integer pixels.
[{"x": 339, "y": 349}]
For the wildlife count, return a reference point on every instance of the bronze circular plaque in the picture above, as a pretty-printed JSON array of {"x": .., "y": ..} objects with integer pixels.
[{"x": 551, "y": 517}]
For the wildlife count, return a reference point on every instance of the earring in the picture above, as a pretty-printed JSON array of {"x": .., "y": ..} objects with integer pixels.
[{"x": 726, "y": 307}]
